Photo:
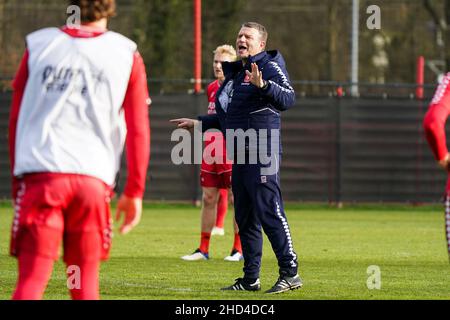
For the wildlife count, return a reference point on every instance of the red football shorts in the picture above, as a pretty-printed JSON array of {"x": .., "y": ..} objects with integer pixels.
[
  {"x": 51, "y": 208},
  {"x": 212, "y": 180},
  {"x": 215, "y": 174}
]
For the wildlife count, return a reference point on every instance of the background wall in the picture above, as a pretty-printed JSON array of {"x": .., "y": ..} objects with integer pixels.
[{"x": 335, "y": 149}]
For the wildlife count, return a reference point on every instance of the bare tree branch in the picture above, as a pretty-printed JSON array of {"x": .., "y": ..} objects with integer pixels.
[
  {"x": 440, "y": 23},
  {"x": 447, "y": 12}
]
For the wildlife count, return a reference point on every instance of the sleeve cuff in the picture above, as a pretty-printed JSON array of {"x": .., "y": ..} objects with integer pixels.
[{"x": 266, "y": 88}]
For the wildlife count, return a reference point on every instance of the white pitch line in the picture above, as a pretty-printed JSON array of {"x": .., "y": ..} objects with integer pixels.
[{"x": 127, "y": 284}]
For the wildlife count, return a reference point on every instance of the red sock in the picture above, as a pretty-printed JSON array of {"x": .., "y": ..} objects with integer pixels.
[
  {"x": 34, "y": 273},
  {"x": 88, "y": 282},
  {"x": 222, "y": 208},
  {"x": 237, "y": 243},
  {"x": 204, "y": 242}
]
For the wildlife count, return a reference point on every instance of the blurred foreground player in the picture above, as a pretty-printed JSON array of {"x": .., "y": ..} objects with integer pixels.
[
  {"x": 434, "y": 125},
  {"x": 79, "y": 94},
  {"x": 215, "y": 176}
]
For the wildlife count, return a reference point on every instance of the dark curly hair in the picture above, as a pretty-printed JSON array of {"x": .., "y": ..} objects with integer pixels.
[{"x": 93, "y": 10}]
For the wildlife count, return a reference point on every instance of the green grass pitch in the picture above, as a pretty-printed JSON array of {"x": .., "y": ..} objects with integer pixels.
[{"x": 334, "y": 246}]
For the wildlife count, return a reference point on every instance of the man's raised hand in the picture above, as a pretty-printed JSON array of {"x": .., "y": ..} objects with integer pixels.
[{"x": 256, "y": 77}]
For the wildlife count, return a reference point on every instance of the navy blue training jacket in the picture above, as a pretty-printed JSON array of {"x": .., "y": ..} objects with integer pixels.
[{"x": 241, "y": 105}]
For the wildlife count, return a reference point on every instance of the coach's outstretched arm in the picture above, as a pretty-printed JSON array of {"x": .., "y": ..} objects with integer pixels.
[
  {"x": 207, "y": 122},
  {"x": 185, "y": 123},
  {"x": 210, "y": 121},
  {"x": 135, "y": 106}
]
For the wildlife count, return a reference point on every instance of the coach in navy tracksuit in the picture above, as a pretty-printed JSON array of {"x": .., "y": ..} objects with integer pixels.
[{"x": 254, "y": 92}]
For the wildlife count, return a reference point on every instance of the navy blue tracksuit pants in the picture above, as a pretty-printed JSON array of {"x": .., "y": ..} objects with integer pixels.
[{"x": 258, "y": 203}]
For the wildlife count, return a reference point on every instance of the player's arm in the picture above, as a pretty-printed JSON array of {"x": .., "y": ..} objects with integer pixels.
[
  {"x": 19, "y": 84},
  {"x": 434, "y": 126},
  {"x": 277, "y": 87},
  {"x": 136, "y": 105}
]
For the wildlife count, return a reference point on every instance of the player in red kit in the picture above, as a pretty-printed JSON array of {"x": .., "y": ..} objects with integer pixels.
[
  {"x": 80, "y": 95},
  {"x": 215, "y": 176},
  {"x": 211, "y": 171},
  {"x": 434, "y": 125}
]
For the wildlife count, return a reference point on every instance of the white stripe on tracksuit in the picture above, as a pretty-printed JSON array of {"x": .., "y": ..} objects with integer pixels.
[
  {"x": 447, "y": 222},
  {"x": 286, "y": 86},
  {"x": 288, "y": 236}
]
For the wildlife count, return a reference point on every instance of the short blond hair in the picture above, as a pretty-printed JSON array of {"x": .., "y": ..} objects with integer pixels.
[{"x": 228, "y": 50}]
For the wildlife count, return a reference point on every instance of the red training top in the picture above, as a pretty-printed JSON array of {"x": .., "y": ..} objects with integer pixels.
[{"x": 435, "y": 119}]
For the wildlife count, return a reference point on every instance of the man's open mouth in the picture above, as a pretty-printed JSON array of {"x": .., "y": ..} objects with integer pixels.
[{"x": 242, "y": 48}]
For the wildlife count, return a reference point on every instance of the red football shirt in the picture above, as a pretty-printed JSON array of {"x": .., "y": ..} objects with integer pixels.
[
  {"x": 211, "y": 92},
  {"x": 224, "y": 165},
  {"x": 435, "y": 119}
]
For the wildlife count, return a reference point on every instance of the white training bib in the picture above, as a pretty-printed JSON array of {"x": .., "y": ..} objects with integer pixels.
[{"x": 71, "y": 118}]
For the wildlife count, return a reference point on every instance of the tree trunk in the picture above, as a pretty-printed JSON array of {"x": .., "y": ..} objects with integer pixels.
[
  {"x": 2, "y": 24},
  {"x": 333, "y": 35},
  {"x": 446, "y": 35}
]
